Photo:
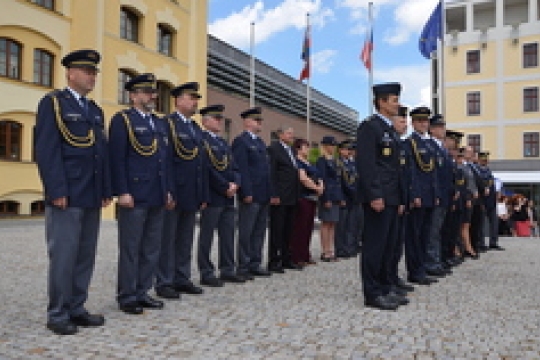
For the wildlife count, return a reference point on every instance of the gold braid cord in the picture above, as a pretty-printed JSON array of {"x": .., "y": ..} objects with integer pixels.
[
  {"x": 76, "y": 141},
  {"x": 143, "y": 150},
  {"x": 349, "y": 179},
  {"x": 218, "y": 165},
  {"x": 423, "y": 166},
  {"x": 181, "y": 150}
]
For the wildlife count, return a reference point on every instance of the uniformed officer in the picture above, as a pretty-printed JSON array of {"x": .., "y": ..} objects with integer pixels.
[
  {"x": 450, "y": 243},
  {"x": 490, "y": 200},
  {"x": 141, "y": 181},
  {"x": 424, "y": 194},
  {"x": 71, "y": 154},
  {"x": 249, "y": 152},
  {"x": 377, "y": 161},
  {"x": 220, "y": 214},
  {"x": 344, "y": 236},
  {"x": 191, "y": 190},
  {"x": 445, "y": 183},
  {"x": 399, "y": 122}
]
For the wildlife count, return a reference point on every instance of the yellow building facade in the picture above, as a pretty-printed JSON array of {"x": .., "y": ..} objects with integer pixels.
[
  {"x": 492, "y": 75},
  {"x": 164, "y": 37}
]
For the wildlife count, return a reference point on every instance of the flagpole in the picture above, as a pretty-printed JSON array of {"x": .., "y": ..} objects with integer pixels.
[
  {"x": 442, "y": 102},
  {"x": 370, "y": 82},
  {"x": 308, "y": 87},
  {"x": 252, "y": 67}
]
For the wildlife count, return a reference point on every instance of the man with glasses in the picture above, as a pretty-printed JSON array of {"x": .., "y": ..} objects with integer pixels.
[{"x": 141, "y": 181}]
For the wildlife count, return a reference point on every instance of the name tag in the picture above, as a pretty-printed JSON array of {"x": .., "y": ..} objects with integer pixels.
[
  {"x": 183, "y": 136},
  {"x": 386, "y": 151},
  {"x": 140, "y": 129},
  {"x": 73, "y": 117}
]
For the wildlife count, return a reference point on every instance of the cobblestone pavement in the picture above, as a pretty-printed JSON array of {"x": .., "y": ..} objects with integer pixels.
[{"x": 488, "y": 309}]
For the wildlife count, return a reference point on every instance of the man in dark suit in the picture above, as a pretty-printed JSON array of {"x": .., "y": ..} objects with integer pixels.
[
  {"x": 249, "y": 152},
  {"x": 72, "y": 159},
  {"x": 285, "y": 184},
  {"x": 191, "y": 190},
  {"x": 141, "y": 180},
  {"x": 490, "y": 200},
  {"x": 220, "y": 214},
  {"x": 478, "y": 208},
  {"x": 379, "y": 190}
]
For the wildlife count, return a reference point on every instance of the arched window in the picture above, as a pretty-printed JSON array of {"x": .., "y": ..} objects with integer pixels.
[
  {"x": 10, "y": 58},
  {"x": 129, "y": 25},
  {"x": 9, "y": 208},
  {"x": 37, "y": 207},
  {"x": 43, "y": 67},
  {"x": 10, "y": 140},
  {"x": 164, "y": 39},
  {"x": 123, "y": 77},
  {"x": 163, "y": 104}
]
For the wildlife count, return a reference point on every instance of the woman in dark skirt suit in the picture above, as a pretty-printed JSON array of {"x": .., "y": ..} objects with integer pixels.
[
  {"x": 312, "y": 187},
  {"x": 331, "y": 198}
]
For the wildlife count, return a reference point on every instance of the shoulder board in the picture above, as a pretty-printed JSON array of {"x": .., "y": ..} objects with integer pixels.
[{"x": 55, "y": 92}]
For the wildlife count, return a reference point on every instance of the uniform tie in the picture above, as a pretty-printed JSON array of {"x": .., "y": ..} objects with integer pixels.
[
  {"x": 149, "y": 119},
  {"x": 84, "y": 104}
]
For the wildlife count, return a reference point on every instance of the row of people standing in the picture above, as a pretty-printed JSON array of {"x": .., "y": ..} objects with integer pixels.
[{"x": 422, "y": 194}]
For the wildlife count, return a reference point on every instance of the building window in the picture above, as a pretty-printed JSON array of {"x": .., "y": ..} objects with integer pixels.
[
  {"x": 473, "y": 103},
  {"x": 530, "y": 144},
  {"x": 10, "y": 140},
  {"x": 43, "y": 67},
  {"x": 10, "y": 58},
  {"x": 474, "y": 141},
  {"x": 164, "y": 39},
  {"x": 473, "y": 62},
  {"x": 123, "y": 77},
  {"x": 129, "y": 25},
  {"x": 530, "y": 55},
  {"x": 37, "y": 207},
  {"x": 49, "y": 4},
  {"x": 9, "y": 208},
  {"x": 163, "y": 104},
  {"x": 530, "y": 99}
]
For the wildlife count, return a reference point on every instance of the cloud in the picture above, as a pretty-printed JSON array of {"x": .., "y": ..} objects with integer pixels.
[
  {"x": 235, "y": 29},
  {"x": 416, "y": 88},
  {"x": 409, "y": 17},
  {"x": 323, "y": 61}
]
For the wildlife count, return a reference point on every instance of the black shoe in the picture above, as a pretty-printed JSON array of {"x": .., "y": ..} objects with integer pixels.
[
  {"x": 276, "y": 269},
  {"x": 246, "y": 276},
  {"x": 496, "y": 247},
  {"x": 436, "y": 272},
  {"x": 167, "y": 292},
  {"x": 189, "y": 289},
  {"x": 381, "y": 303},
  {"x": 212, "y": 281},
  {"x": 132, "y": 308},
  {"x": 403, "y": 285},
  {"x": 472, "y": 256},
  {"x": 150, "y": 303},
  {"x": 483, "y": 248},
  {"x": 260, "y": 272},
  {"x": 398, "y": 291},
  {"x": 88, "y": 320},
  {"x": 235, "y": 279},
  {"x": 293, "y": 266},
  {"x": 396, "y": 298},
  {"x": 421, "y": 281},
  {"x": 62, "y": 328}
]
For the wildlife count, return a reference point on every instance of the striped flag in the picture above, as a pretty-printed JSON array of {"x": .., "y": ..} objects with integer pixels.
[
  {"x": 367, "y": 50},
  {"x": 306, "y": 49}
]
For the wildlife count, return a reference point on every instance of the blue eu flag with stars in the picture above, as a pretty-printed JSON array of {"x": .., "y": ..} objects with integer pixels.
[{"x": 431, "y": 33}]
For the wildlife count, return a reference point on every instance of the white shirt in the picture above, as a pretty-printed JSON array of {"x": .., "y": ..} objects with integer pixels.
[
  {"x": 502, "y": 209},
  {"x": 289, "y": 151},
  {"x": 76, "y": 95},
  {"x": 386, "y": 120},
  {"x": 253, "y": 136}
]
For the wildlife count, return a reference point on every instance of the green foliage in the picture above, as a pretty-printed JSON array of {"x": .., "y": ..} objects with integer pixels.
[{"x": 314, "y": 154}]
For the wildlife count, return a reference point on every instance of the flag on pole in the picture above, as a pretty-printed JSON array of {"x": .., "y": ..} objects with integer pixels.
[
  {"x": 367, "y": 50},
  {"x": 431, "y": 33},
  {"x": 306, "y": 49}
]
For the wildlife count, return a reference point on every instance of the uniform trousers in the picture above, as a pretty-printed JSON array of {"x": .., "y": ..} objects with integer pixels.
[
  {"x": 477, "y": 225},
  {"x": 398, "y": 248},
  {"x": 71, "y": 236},
  {"x": 139, "y": 243},
  {"x": 252, "y": 221},
  {"x": 166, "y": 262},
  {"x": 418, "y": 229},
  {"x": 340, "y": 231},
  {"x": 493, "y": 226},
  {"x": 223, "y": 219},
  {"x": 433, "y": 246},
  {"x": 450, "y": 234},
  {"x": 378, "y": 242}
]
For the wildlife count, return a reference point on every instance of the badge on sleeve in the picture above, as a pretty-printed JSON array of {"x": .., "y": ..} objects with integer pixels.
[{"x": 386, "y": 151}]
